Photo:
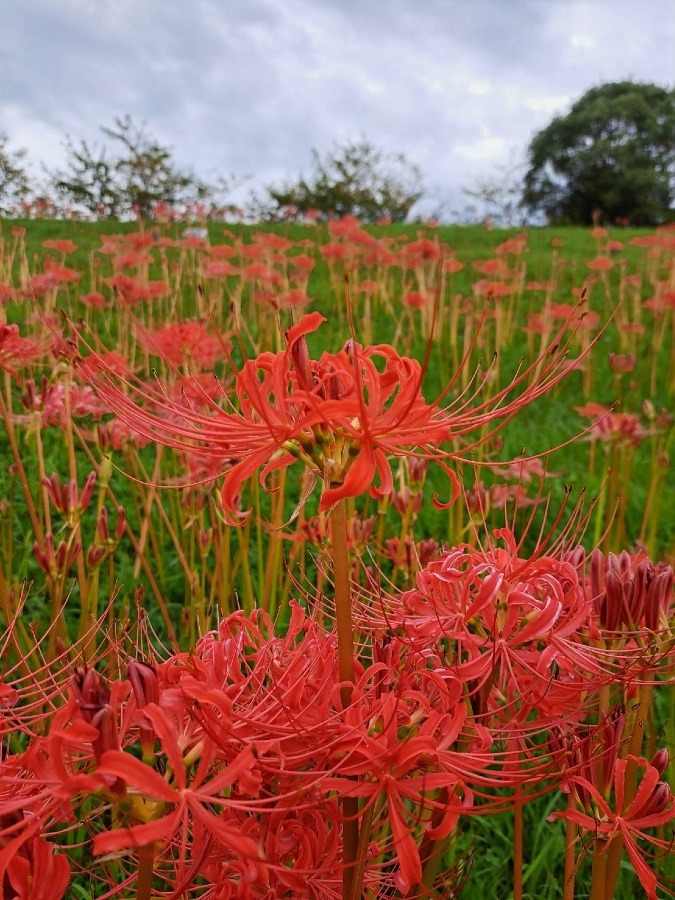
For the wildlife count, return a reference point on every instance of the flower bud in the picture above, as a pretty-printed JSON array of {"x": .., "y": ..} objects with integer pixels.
[
  {"x": 102, "y": 524},
  {"x": 95, "y": 556},
  {"x": 660, "y": 760},
  {"x": 658, "y": 800},
  {"x": 144, "y": 683},
  {"x": 121, "y": 523}
]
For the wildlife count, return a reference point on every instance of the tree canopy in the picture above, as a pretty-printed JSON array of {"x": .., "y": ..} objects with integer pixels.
[
  {"x": 135, "y": 176},
  {"x": 14, "y": 183},
  {"x": 355, "y": 179},
  {"x": 612, "y": 155}
]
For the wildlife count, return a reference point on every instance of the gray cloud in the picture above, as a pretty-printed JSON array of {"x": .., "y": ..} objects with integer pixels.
[{"x": 251, "y": 87}]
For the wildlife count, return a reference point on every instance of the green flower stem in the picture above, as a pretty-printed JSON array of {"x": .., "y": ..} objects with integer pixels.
[{"x": 345, "y": 636}]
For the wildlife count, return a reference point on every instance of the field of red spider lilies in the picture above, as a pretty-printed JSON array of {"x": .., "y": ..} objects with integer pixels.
[{"x": 334, "y": 562}]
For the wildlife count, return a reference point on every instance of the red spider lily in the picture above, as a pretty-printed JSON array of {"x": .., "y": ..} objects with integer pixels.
[
  {"x": 246, "y": 751},
  {"x": 61, "y": 274},
  {"x": 36, "y": 873},
  {"x": 94, "y": 300},
  {"x": 15, "y": 350},
  {"x": 489, "y": 288},
  {"x": 52, "y": 406},
  {"x": 506, "y": 616},
  {"x": 184, "y": 343},
  {"x": 524, "y": 470},
  {"x": 622, "y": 362},
  {"x": 415, "y": 300},
  {"x": 176, "y": 805},
  {"x": 67, "y": 498},
  {"x": 340, "y": 415},
  {"x": 132, "y": 292},
  {"x": 495, "y": 267},
  {"x": 651, "y": 806},
  {"x": 302, "y": 263},
  {"x": 333, "y": 252},
  {"x": 515, "y": 245},
  {"x": 343, "y": 416},
  {"x": 611, "y": 426},
  {"x": 452, "y": 265},
  {"x": 600, "y": 264},
  {"x": 293, "y": 298},
  {"x": 38, "y": 787},
  {"x": 405, "y": 771},
  {"x": 62, "y": 245}
]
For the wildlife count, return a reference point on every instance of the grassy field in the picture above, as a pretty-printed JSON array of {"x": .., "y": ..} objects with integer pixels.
[{"x": 115, "y": 538}]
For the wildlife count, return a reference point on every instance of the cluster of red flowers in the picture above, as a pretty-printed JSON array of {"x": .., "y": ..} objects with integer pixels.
[{"x": 228, "y": 764}]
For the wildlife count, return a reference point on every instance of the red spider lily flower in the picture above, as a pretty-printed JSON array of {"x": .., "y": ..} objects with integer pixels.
[
  {"x": 93, "y": 300},
  {"x": 52, "y": 406},
  {"x": 132, "y": 292},
  {"x": 262, "y": 274},
  {"x": 501, "y": 495},
  {"x": 333, "y": 252},
  {"x": 515, "y": 245},
  {"x": 37, "y": 286},
  {"x": 622, "y": 362},
  {"x": 407, "y": 771},
  {"x": 600, "y": 264},
  {"x": 177, "y": 805},
  {"x": 590, "y": 752},
  {"x": 524, "y": 470},
  {"x": 609, "y": 426},
  {"x": 342, "y": 415},
  {"x": 220, "y": 251},
  {"x": 302, "y": 263},
  {"x": 452, "y": 265},
  {"x": 61, "y": 274},
  {"x": 220, "y": 268},
  {"x": 489, "y": 288},
  {"x": 184, "y": 343},
  {"x": 62, "y": 245},
  {"x": 415, "y": 300},
  {"x": 15, "y": 350},
  {"x": 651, "y": 806},
  {"x": 507, "y": 618},
  {"x": 293, "y": 298},
  {"x": 498, "y": 268},
  {"x": 36, "y": 873}
]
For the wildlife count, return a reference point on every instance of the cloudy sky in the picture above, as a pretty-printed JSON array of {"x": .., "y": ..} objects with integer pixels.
[{"x": 250, "y": 86}]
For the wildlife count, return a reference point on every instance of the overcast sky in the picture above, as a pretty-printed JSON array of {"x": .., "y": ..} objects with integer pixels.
[{"x": 250, "y": 86}]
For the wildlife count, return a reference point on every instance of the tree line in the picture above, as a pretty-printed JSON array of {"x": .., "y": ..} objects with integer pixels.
[{"x": 611, "y": 158}]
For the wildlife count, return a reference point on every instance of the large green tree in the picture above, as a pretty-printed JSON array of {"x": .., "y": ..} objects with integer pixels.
[
  {"x": 612, "y": 155},
  {"x": 354, "y": 179}
]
